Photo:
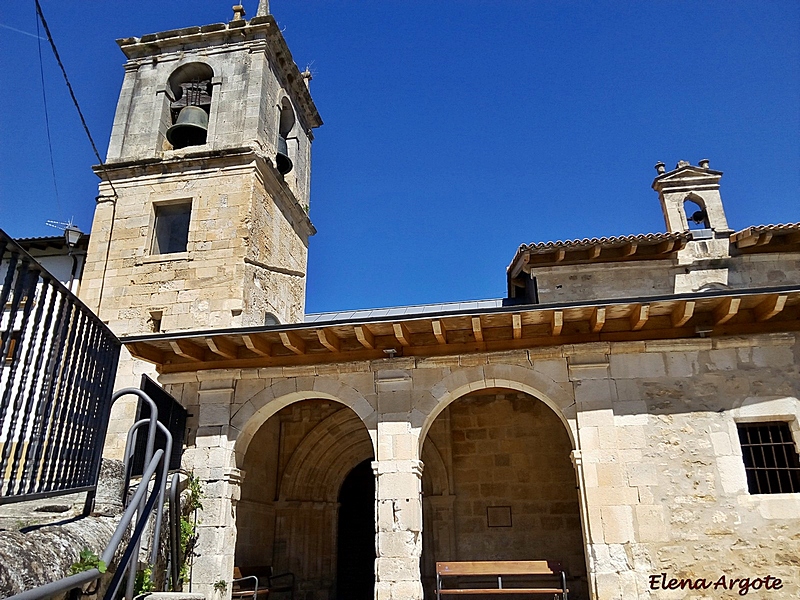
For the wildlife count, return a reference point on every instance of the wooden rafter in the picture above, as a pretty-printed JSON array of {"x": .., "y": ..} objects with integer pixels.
[
  {"x": 222, "y": 347},
  {"x": 293, "y": 342},
  {"x": 476, "y": 329},
  {"x": 187, "y": 349},
  {"x": 726, "y": 310},
  {"x": 516, "y": 325},
  {"x": 402, "y": 334},
  {"x": 439, "y": 331},
  {"x": 629, "y": 249},
  {"x": 257, "y": 344},
  {"x": 557, "y": 322},
  {"x": 770, "y": 307},
  {"x": 365, "y": 337},
  {"x": 560, "y": 255},
  {"x": 598, "y": 319},
  {"x": 682, "y": 313},
  {"x": 329, "y": 339},
  {"x": 147, "y": 352},
  {"x": 594, "y": 251},
  {"x": 639, "y": 316}
]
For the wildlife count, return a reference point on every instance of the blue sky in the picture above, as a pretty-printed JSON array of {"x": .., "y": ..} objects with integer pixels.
[{"x": 454, "y": 131}]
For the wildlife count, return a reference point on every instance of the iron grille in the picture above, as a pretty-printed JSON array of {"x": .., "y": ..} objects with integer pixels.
[
  {"x": 57, "y": 367},
  {"x": 770, "y": 458}
]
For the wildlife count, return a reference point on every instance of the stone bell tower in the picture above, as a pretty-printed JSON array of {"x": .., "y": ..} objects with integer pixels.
[
  {"x": 692, "y": 204},
  {"x": 202, "y": 218}
]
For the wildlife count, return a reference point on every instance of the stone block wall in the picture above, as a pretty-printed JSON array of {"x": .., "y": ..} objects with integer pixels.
[{"x": 650, "y": 427}]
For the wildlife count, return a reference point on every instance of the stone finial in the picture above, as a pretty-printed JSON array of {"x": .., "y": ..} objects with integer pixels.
[
  {"x": 661, "y": 168},
  {"x": 703, "y": 164},
  {"x": 307, "y": 76},
  {"x": 263, "y": 8},
  {"x": 681, "y": 164},
  {"x": 238, "y": 12}
]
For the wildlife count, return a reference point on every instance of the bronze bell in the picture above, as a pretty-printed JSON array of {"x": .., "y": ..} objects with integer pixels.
[
  {"x": 282, "y": 161},
  {"x": 190, "y": 128}
]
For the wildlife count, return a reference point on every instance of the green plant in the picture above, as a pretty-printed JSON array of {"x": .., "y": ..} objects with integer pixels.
[
  {"x": 188, "y": 524},
  {"x": 87, "y": 560},
  {"x": 220, "y": 586},
  {"x": 144, "y": 581}
]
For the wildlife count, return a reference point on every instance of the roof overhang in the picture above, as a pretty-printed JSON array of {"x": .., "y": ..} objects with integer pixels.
[{"x": 713, "y": 313}]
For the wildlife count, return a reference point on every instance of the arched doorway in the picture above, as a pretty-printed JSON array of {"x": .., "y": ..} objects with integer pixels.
[
  {"x": 294, "y": 469},
  {"x": 355, "y": 556},
  {"x": 498, "y": 484}
]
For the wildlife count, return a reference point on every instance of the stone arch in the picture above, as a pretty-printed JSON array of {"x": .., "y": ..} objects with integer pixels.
[
  {"x": 325, "y": 456},
  {"x": 512, "y": 377},
  {"x": 249, "y": 418},
  {"x": 434, "y": 475}
]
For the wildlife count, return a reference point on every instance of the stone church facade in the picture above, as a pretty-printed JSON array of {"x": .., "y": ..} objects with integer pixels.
[{"x": 606, "y": 414}]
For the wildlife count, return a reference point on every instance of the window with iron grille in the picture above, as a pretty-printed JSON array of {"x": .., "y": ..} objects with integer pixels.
[{"x": 770, "y": 458}]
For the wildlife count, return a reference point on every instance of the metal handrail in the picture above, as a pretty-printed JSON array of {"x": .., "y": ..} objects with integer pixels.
[
  {"x": 139, "y": 504},
  {"x": 79, "y": 579}
]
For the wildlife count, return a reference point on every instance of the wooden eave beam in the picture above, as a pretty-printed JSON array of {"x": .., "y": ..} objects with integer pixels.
[
  {"x": 439, "y": 331},
  {"x": 329, "y": 339},
  {"x": 402, "y": 333},
  {"x": 476, "y": 329},
  {"x": 598, "y": 319},
  {"x": 665, "y": 247},
  {"x": 516, "y": 325},
  {"x": 222, "y": 347},
  {"x": 639, "y": 316},
  {"x": 365, "y": 337},
  {"x": 769, "y": 307},
  {"x": 629, "y": 249},
  {"x": 293, "y": 342},
  {"x": 146, "y": 352},
  {"x": 682, "y": 313},
  {"x": 726, "y": 310},
  {"x": 764, "y": 238},
  {"x": 257, "y": 344},
  {"x": 556, "y": 322},
  {"x": 187, "y": 349}
]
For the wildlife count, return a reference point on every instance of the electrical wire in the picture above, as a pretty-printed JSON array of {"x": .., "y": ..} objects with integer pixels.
[
  {"x": 72, "y": 94},
  {"x": 47, "y": 118}
]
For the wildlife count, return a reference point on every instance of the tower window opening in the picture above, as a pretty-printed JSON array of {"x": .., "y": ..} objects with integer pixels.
[
  {"x": 171, "y": 228},
  {"x": 696, "y": 215},
  {"x": 190, "y": 90},
  {"x": 286, "y": 121}
]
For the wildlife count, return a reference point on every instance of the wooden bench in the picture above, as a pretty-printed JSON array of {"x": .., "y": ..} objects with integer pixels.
[
  {"x": 480, "y": 572},
  {"x": 258, "y": 582}
]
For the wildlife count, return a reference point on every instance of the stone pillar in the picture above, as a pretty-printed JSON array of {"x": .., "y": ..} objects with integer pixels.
[
  {"x": 213, "y": 462},
  {"x": 399, "y": 529}
]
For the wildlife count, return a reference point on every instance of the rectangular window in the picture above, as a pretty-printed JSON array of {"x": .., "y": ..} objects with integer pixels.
[
  {"x": 770, "y": 458},
  {"x": 171, "y": 228}
]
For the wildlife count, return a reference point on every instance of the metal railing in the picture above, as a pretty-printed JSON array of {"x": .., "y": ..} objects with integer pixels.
[
  {"x": 57, "y": 368},
  {"x": 147, "y": 497}
]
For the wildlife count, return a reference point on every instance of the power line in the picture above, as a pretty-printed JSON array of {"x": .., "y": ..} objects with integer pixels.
[
  {"x": 47, "y": 118},
  {"x": 72, "y": 94}
]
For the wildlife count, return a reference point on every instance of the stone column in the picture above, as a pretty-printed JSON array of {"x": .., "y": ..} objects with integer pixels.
[
  {"x": 213, "y": 462},
  {"x": 399, "y": 528}
]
